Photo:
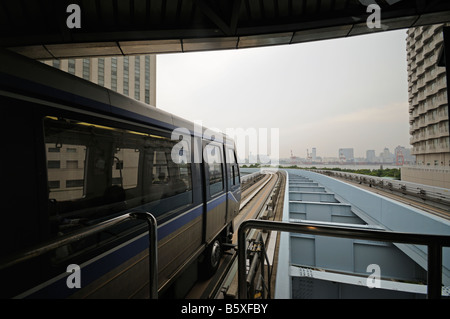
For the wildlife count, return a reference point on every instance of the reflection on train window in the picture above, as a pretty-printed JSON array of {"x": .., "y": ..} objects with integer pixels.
[
  {"x": 125, "y": 168},
  {"x": 65, "y": 171},
  {"x": 96, "y": 172},
  {"x": 213, "y": 159}
]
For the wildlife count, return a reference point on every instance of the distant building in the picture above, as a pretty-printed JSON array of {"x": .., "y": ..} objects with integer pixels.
[
  {"x": 313, "y": 154},
  {"x": 330, "y": 159},
  {"x": 346, "y": 155},
  {"x": 386, "y": 156},
  {"x": 409, "y": 158},
  {"x": 370, "y": 156},
  {"x": 403, "y": 156}
]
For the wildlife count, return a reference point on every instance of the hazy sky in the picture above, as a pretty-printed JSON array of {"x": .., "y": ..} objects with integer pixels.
[{"x": 331, "y": 94}]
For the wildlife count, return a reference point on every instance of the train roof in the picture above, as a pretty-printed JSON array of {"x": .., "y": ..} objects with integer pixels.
[{"x": 22, "y": 75}]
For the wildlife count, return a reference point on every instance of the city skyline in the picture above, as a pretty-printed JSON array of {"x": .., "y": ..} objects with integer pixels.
[
  {"x": 370, "y": 155},
  {"x": 357, "y": 153},
  {"x": 349, "y": 92}
]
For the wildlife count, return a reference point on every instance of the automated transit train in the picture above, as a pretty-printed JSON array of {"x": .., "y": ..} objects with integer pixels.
[{"x": 76, "y": 155}]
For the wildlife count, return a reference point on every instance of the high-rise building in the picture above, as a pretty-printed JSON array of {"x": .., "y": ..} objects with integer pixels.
[
  {"x": 386, "y": 156},
  {"x": 346, "y": 155},
  {"x": 370, "y": 156},
  {"x": 403, "y": 156},
  {"x": 314, "y": 154},
  {"x": 133, "y": 76},
  {"x": 428, "y": 107}
]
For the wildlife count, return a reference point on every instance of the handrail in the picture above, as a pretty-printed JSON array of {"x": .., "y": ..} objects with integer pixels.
[
  {"x": 90, "y": 230},
  {"x": 434, "y": 243},
  {"x": 432, "y": 193},
  {"x": 153, "y": 251}
]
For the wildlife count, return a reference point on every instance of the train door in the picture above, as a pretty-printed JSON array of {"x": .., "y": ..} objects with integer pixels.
[
  {"x": 233, "y": 180},
  {"x": 215, "y": 189}
]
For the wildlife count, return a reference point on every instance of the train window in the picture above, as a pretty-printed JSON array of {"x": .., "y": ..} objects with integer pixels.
[
  {"x": 230, "y": 156},
  {"x": 236, "y": 176},
  {"x": 160, "y": 168},
  {"x": 213, "y": 158},
  {"x": 176, "y": 177},
  {"x": 95, "y": 172},
  {"x": 231, "y": 159}
]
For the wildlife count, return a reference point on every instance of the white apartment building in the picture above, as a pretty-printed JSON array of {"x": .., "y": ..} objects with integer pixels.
[{"x": 428, "y": 108}]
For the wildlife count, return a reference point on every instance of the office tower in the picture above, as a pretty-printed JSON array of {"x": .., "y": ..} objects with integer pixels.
[{"x": 133, "y": 76}]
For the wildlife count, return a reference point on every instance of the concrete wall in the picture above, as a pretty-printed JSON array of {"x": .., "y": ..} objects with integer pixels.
[{"x": 427, "y": 175}]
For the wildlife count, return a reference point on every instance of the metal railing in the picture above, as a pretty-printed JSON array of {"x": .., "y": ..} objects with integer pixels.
[
  {"x": 433, "y": 242},
  {"x": 90, "y": 230},
  {"x": 430, "y": 193}
]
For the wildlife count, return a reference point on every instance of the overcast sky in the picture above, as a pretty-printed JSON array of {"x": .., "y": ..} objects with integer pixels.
[{"x": 332, "y": 94}]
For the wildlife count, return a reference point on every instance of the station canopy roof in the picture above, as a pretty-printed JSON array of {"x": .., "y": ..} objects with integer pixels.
[{"x": 38, "y": 29}]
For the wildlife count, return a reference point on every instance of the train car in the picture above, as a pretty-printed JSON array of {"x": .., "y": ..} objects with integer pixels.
[{"x": 76, "y": 156}]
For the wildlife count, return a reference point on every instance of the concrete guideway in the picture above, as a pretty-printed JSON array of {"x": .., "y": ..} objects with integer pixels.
[{"x": 336, "y": 258}]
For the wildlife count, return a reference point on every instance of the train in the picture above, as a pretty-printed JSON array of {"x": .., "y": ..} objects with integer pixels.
[{"x": 77, "y": 156}]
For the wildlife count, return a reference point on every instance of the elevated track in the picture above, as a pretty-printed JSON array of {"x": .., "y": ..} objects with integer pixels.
[{"x": 433, "y": 200}]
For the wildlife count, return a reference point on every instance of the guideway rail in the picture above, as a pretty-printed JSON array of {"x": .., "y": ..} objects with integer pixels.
[
  {"x": 433, "y": 242},
  {"x": 90, "y": 230}
]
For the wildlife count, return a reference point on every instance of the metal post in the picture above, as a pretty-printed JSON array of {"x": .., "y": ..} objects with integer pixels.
[
  {"x": 434, "y": 271},
  {"x": 262, "y": 273},
  {"x": 242, "y": 249},
  {"x": 153, "y": 251}
]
